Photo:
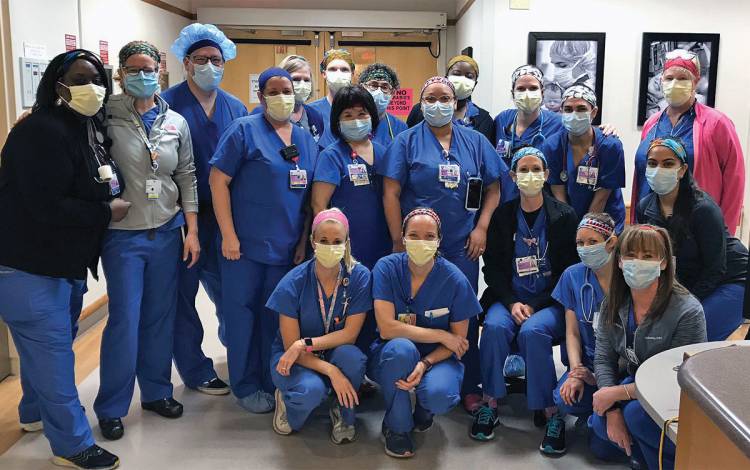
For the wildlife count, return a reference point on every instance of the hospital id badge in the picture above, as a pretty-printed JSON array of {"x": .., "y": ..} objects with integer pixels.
[
  {"x": 358, "y": 174},
  {"x": 153, "y": 189},
  {"x": 297, "y": 179},
  {"x": 527, "y": 265},
  {"x": 502, "y": 148},
  {"x": 449, "y": 175},
  {"x": 408, "y": 318},
  {"x": 587, "y": 175},
  {"x": 114, "y": 185}
]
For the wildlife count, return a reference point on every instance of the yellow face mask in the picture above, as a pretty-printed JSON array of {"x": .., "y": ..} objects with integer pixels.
[
  {"x": 329, "y": 255},
  {"x": 421, "y": 251},
  {"x": 677, "y": 92}
]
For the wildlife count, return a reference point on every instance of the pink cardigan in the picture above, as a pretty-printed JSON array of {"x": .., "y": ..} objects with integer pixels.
[{"x": 718, "y": 164}]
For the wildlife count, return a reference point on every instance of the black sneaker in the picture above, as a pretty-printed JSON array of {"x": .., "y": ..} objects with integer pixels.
[
  {"x": 554, "y": 439},
  {"x": 112, "y": 429},
  {"x": 540, "y": 419},
  {"x": 92, "y": 458},
  {"x": 215, "y": 386},
  {"x": 485, "y": 422},
  {"x": 423, "y": 419},
  {"x": 398, "y": 444},
  {"x": 167, "y": 407}
]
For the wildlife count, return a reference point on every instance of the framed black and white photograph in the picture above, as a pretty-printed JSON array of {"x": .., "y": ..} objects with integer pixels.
[
  {"x": 655, "y": 47},
  {"x": 568, "y": 59}
]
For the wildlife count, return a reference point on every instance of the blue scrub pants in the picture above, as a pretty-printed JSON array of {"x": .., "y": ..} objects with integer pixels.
[
  {"x": 250, "y": 327},
  {"x": 470, "y": 360},
  {"x": 437, "y": 393},
  {"x": 37, "y": 310},
  {"x": 534, "y": 338},
  {"x": 723, "y": 310},
  {"x": 645, "y": 434},
  {"x": 137, "y": 341},
  {"x": 194, "y": 367},
  {"x": 583, "y": 408},
  {"x": 304, "y": 389}
]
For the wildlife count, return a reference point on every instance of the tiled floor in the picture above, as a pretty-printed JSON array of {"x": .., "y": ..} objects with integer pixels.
[{"x": 215, "y": 433}]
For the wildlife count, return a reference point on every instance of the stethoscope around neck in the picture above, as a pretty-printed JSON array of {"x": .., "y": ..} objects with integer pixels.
[
  {"x": 586, "y": 284},
  {"x": 539, "y": 136}
]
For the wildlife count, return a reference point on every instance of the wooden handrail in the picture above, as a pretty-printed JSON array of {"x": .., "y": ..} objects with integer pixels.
[{"x": 93, "y": 307}]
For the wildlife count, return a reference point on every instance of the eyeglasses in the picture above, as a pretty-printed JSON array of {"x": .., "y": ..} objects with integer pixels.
[
  {"x": 216, "y": 60},
  {"x": 133, "y": 71},
  {"x": 434, "y": 99},
  {"x": 385, "y": 86}
]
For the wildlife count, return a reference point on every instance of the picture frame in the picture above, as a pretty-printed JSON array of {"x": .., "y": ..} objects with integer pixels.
[
  {"x": 653, "y": 50},
  {"x": 568, "y": 59}
]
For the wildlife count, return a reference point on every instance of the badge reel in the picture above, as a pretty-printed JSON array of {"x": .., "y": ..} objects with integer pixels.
[{"x": 297, "y": 176}]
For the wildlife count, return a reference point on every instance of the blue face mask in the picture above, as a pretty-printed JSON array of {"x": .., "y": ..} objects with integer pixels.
[
  {"x": 437, "y": 114},
  {"x": 662, "y": 180},
  {"x": 640, "y": 273},
  {"x": 142, "y": 85},
  {"x": 356, "y": 129},
  {"x": 594, "y": 256},
  {"x": 208, "y": 76},
  {"x": 577, "y": 123},
  {"x": 381, "y": 100}
]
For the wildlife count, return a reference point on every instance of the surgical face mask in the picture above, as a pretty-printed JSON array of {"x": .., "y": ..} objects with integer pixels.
[
  {"x": 594, "y": 256},
  {"x": 437, "y": 114},
  {"x": 280, "y": 106},
  {"x": 577, "y": 123},
  {"x": 528, "y": 101},
  {"x": 640, "y": 273},
  {"x": 356, "y": 129},
  {"x": 530, "y": 183},
  {"x": 382, "y": 100},
  {"x": 662, "y": 180},
  {"x": 677, "y": 92},
  {"x": 86, "y": 99},
  {"x": 464, "y": 86},
  {"x": 302, "y": 90},
  {"x": 329, "y": 255},
  {"x": 143, "y": 85},
  {"x": 420, "y": 252},
  {"x": 207, "y": 76},
  {"x": 338, "y": 80}
]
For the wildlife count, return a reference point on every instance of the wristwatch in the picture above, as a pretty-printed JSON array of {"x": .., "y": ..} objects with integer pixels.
[{"x": 308, "y": 345}]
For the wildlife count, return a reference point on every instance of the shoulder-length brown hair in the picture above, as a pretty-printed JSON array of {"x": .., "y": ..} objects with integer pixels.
[{"x": 642, "y": 238}]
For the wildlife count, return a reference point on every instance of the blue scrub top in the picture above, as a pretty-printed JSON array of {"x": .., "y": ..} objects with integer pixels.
[
  {"x": 148, "y": 118},
  {"x": 546, "y": 125},
  {"x": 531, "y": 241},
  {"x": 472, "y": 111},
  {"x": 413, "y": 160},
  {"x": 683, "y": 130},
  {"x": 445, "y": 287},
  {"x": 268, "y": 214},
  {"x": 323, "y": 107},
  {"x": 315, "y": 125},
  {"x": 608, "y": 156},
  {"x": 204, "y": 132},
  {"x": 296, "y": 296},
  {"x": 388, "y": 128},
  {"x": 363, "y": 205},
  {"x": 579, "y": 290}
]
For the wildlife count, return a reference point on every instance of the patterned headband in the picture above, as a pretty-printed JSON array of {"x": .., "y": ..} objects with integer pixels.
[
  {"x": 434, "y": 80},
  {"x": 526, "y": 70},
  {"x": 598, "y": 226},
  {"x": 580, "y": 91},
  {"x": 421, "y": 211},
  {"x": 138, "y": 47},
  {"x": 673, "y": 145},
  {"x": 379, "y": 72}
]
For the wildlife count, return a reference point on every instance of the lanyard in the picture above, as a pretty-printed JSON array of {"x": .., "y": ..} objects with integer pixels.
[
  {"x": 390, "y": 130},
  {"x": 327, "y": 319},
  {"x": 512, "y": 148},
  {"x": 151, "y": 147},
  {"x": 94, "y": 144}
]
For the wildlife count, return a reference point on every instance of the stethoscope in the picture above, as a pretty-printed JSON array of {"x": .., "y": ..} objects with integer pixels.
[
  {"x": 538, "y": 135},
  {"x": 590, "y": 317},
  {"x": 592, "y": 160}
]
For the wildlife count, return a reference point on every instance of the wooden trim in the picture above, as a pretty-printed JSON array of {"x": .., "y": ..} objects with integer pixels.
[
  {"x": 89, "y": 310},
  {"x": 461, "y": 12},
  {"x": 7, "y": 85},
  {"x": 172, "y": 9}
]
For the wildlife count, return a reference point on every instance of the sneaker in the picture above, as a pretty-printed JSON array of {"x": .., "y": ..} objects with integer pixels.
[
  {"x": 34, "y": 426},
  {"x": 554, "y": 439},
  {"x": 341, "y": 433},
  {"x": 423, "y": 419},
  {"x": 485, "y": 422},
  {"x": 398, "y": 444},
  {"x": 472, "y": 402},
  {"x": 514, "y": 366},
  {"x": 280, "y": 423},
  {"x": 92, "y": 458},
  {"x": 258, "y": 402},
  {"x": 215, "y": 386},
  {"x": 166, "y": 407}
]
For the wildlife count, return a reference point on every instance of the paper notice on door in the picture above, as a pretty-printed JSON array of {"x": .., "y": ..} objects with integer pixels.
[
  {"x": 35, "y": 51},
  {"x": 254, "y": 88}
]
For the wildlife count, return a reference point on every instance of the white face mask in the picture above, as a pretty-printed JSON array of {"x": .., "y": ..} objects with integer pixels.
[
  {"x": 280, "y": 107},
  {"x": 528, "y": 101},
  {"x": 464, "y": 86},
  {"x": 337, "y": 80},
  {"x": 86, "y": 99},
  {"x": 530, "y": 183},
  {"x": 302, "y": 90}
]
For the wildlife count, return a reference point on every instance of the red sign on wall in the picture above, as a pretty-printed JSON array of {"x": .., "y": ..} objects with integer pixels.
[
  {"x": 163, "y": 61},
  {"x": 401, "y": 102},
  {"x": 104, "y": 51},
  {"x": 70, "y": 42}
]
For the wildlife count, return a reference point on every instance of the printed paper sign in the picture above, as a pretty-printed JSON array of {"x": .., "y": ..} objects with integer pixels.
[{"x": 401, "y": 102}]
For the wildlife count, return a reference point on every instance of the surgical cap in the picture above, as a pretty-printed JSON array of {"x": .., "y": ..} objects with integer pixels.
[
  {"x": 684, "y": 59},
  {"x": 464, "y": 58},
  {"x": 197, "y": 35},
  {"x": 672, "y": 144},
  {"x": 526, "y": 70},
  {"x": 269, "y": 74},
  {"x": 334, "y": 54},
  {"x": 138, "y": 47},
  {"x": 378, "y": 71},
  {"x": 437, "y": 79},
  {"x": 580, "y": 91},
  {"x": 525, "y": 152}
]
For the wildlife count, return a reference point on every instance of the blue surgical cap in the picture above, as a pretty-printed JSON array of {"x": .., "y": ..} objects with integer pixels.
[
  {"x": 207, "y": 34},
  {"x": 269, "y": 74},
  {"x": 525, "y": 152}
]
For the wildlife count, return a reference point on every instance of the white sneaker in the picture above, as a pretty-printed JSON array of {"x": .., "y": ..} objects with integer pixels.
[
  {"x": 34, "y": 426},
  {"x": 280, "y": 423},
  {"x": 341, "y": 432}
]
